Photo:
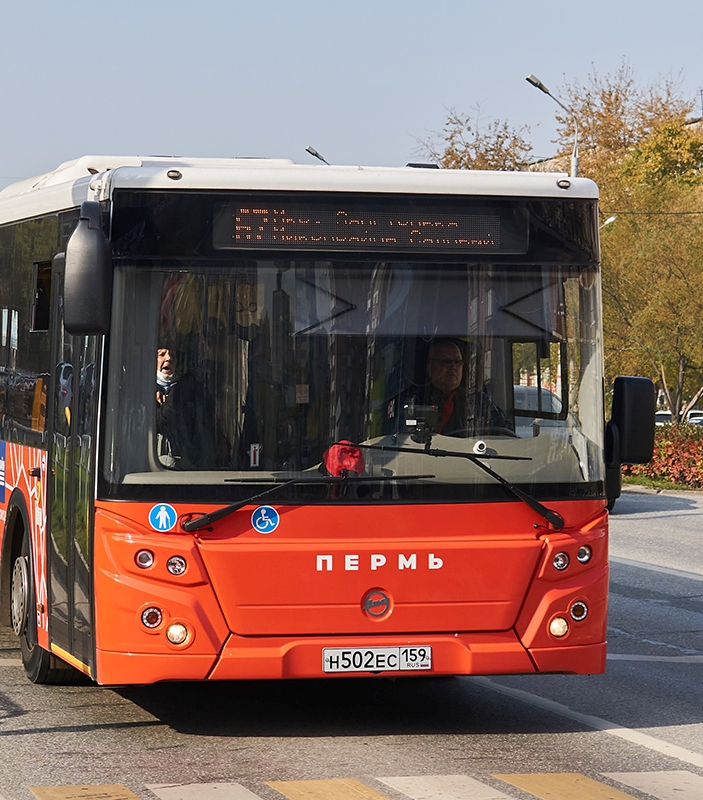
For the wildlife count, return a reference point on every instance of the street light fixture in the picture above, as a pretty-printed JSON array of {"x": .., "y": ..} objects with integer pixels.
[
  {"x": 575, "y": 154},
  {"x": 315, "y": 154}
]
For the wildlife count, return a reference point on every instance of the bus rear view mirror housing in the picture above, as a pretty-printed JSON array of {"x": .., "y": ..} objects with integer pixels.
[
  {"x": 88, "y": 276},
  {"x": 633, "y": 416},
  {"x": 629, "y": 436}
]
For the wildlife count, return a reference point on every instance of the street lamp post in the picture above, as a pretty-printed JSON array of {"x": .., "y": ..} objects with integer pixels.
[{"x": 575, "y": 154}]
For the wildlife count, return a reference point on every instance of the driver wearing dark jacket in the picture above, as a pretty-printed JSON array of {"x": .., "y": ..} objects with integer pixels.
[{"x": 460, "y": 411}]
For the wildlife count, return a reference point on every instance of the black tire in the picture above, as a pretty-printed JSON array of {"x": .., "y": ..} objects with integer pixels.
[{"x": 39, "y": 665}]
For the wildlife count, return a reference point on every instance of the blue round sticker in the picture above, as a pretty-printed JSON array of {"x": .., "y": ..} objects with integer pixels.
[
  {"x": 265, "y": 519},
  {"x": 163, "y": 517}
]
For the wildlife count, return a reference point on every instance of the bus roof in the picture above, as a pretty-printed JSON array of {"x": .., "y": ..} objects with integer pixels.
[{"x": 95, "y": 177}]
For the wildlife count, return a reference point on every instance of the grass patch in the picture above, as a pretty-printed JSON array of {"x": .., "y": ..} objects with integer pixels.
[{"x": 653, "y": 483}]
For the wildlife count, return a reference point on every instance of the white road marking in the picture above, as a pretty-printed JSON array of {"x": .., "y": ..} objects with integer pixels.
[
  {"x": 670, "y": 785},
  {"x": 677, "y": 573},
  {"x": 202, "y": 791},
  {"x": 684, "y": 651},
  {"x": 663, "y": 659},
  {"x": 10, "y": 662},
  {"x": 444, "y": 787},
  {"x": 611, "y": 728}
]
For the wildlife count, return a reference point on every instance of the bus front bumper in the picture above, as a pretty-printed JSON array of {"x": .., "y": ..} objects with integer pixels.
[{"x": 274, "y": 658}]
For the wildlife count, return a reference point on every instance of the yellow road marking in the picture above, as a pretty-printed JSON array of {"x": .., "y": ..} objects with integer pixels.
[
  {"x": 107, "y": 791},
  {"x": 564, "y": 786},
  {"x": 337, "y": 789}
]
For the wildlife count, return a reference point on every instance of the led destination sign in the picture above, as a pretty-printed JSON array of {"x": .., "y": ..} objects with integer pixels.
[{"x": 336, "y": 225}]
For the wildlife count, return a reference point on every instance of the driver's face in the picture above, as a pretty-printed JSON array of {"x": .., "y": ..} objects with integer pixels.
[
  {"x": 165, "y": 362},
  {"x": 445, "y": 367}
]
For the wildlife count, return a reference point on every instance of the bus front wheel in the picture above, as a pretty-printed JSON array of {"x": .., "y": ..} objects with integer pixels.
[{"x": 40, "y": 665}]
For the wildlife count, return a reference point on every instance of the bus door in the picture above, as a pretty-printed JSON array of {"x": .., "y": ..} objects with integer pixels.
[{"x": 73, "y": 413}]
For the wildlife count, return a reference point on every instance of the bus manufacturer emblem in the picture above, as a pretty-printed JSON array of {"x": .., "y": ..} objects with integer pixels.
[{"x": 377, "y": 603}]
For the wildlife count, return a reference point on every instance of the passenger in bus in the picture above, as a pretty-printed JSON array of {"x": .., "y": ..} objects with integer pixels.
[
  {"x": 183, "y": 416},
  {"x": 460, "y": 410}
]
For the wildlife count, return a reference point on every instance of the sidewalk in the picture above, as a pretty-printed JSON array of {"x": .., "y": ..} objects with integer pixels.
[{"x": 634, "y": 489}]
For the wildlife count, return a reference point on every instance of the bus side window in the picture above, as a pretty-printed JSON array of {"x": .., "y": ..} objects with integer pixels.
[{"x": 42, "y": 296}]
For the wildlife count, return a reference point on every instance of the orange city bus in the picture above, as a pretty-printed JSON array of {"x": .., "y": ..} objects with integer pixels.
[{"x": 264, "y": 420}]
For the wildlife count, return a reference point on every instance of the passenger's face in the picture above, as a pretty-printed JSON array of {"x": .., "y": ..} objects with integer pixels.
[
  {"x": 445, "y": 367},
  {"x": 165, "y": 362}
]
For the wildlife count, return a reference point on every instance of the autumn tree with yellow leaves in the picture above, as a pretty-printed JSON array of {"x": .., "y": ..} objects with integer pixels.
[{"x": 636, "y": 142}]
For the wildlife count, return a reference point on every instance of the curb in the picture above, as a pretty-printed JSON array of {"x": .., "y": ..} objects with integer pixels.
[{"x": 635, "y": 489}]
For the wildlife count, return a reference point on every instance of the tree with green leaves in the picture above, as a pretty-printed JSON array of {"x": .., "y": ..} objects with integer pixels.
[{"x": 653, "y": 265}]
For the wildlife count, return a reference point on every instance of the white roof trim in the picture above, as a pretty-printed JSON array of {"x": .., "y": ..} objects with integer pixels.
[{"x": 94, "y": 177}]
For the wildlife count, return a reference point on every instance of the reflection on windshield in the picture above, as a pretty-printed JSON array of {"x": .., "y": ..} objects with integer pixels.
[{"x": 255, "y": 368}]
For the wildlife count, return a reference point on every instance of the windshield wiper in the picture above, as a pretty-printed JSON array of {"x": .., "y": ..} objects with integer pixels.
[
  {"x": 282, "y": 483},
  {"x": 554, "y": 519}
]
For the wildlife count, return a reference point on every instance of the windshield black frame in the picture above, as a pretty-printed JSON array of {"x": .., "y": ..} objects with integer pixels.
[{"x": 140, "y": 249}]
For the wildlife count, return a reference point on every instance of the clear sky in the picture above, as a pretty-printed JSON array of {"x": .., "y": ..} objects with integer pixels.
[{"x": 360, "y": 81}]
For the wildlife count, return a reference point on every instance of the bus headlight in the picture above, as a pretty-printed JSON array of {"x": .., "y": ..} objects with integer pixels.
[
  {"x": 584, "y": 554},
  {"x": 578, "y": 610},
  {"x": 151, "y": 617},
  {"x": 176, "y": 565},
  {"x": 561, "y": 561},
  {"x": 558, "y": 627},
  {"x": 177, "y": 633},
  {"x": 144, "y": 559}
]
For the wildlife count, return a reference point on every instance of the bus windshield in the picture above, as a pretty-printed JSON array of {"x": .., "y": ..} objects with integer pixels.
[{"x": 226, "y": 376}]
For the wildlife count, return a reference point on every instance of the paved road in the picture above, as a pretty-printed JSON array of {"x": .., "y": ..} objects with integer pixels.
[{"x": 635, "y": 732}]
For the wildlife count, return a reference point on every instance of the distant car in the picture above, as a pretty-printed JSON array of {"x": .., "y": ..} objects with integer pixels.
[
  {"x": 694, "y": 416},
  {"x": 695, "y": 421},
  {"x": 662, "y": 417},
  {"x": 530, "y": 398}
]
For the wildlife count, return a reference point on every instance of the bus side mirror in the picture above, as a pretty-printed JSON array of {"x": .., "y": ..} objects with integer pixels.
[
  {"x": 88, "y": 276},
  {"x": 631, "y": 434}
]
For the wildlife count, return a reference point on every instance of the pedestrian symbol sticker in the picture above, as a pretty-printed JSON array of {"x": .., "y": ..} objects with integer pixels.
[
  {"x": 163, "y": 517},
  {"x": 265, "y": 519}
]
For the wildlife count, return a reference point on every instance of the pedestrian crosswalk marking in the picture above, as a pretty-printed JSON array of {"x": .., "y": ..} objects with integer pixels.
[
  {"x": 670, "y": 785},
  {"x": 336, "y": 789},
  {"x": 202, "y": 791},
  {"x": 107, "y": 791},
  {"x": 564, "y": 786},
  {"x": 663, "y": 785},
  {"x": 444, "y": 787}
]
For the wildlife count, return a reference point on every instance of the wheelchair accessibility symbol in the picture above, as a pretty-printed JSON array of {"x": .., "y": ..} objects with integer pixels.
[{"x": 265, "y": 519}]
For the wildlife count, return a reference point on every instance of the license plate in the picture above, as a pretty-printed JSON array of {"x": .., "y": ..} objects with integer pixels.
[{"x": 376, "y": 659}]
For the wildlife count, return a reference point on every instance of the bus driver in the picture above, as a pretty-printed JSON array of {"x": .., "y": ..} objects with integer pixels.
[{"x": 460, "y": 410}]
